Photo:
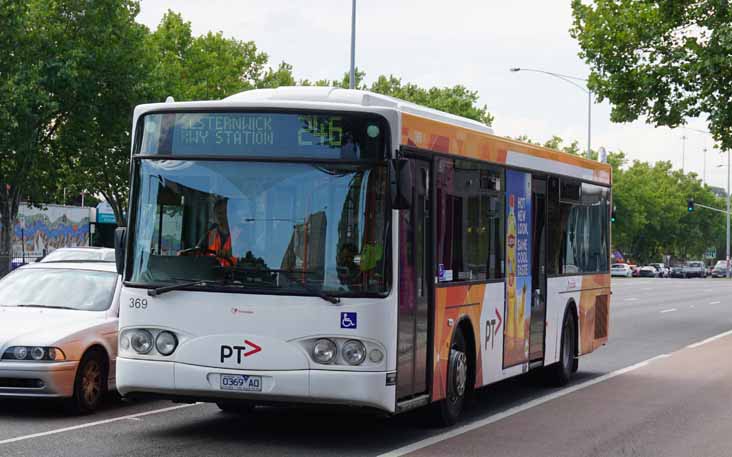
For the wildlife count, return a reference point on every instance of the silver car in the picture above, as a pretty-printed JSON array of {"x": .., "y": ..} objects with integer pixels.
[{"x": 58, "y": 332}]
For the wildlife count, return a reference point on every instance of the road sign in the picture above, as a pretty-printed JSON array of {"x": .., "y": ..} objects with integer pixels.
[{"x": 711, "y": 253}]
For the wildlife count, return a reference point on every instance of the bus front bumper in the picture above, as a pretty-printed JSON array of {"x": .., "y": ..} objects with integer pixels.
[{"x": 179, "y": 380}]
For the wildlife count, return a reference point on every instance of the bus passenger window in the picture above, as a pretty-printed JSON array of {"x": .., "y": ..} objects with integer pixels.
[{"x": 470, "y": 221}]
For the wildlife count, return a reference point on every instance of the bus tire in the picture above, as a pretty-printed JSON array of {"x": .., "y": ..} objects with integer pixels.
[
  {"x": 90, "y": 383},
  {"x": 559, "y": 374},
  {"x": 235, "y": 407},
  {"x": 458, "y": 369}
]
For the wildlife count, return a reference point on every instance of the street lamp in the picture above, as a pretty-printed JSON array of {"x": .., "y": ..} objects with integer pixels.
[
  {"x": 352, "y": 76},
  {"x": 569, "y": 79}
]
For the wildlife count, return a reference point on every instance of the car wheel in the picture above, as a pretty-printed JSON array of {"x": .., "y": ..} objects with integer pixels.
[
  {"x": 90, "y": 384},
  {"x": 559, "y": 374},
  {"x": 450, "y": 409},
  {"x": 236, "y": 407}
]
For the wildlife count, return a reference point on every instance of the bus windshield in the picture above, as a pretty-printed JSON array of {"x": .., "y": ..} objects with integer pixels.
[{"x": 262, "y": 227}]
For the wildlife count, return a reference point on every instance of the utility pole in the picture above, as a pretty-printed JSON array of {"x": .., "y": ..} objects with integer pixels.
[{"x": 352, "y": 79}]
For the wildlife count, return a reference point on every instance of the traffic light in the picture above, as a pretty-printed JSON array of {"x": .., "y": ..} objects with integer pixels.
[
  {"x": 690, "y": 205},
  {"x": 612, "y": 214}
]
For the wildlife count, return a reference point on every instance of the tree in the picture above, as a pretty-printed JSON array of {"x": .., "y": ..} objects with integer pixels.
[
  {"x": 456, "y": 100},
  {"x": 207, "y": 67},
  {"x": 667, "y": 60},
  {"x": 96, "y": 137},
  {"x": 41, "y": 75}
]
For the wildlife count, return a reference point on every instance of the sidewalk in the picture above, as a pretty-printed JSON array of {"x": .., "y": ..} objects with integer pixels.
[{"x": 680, "y": 405}]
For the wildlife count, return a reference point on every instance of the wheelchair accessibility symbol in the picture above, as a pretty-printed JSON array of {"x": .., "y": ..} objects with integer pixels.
[{"x": 349, "y": 320}]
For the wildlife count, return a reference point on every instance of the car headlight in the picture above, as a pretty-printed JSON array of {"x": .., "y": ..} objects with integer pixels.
[
  {"x": 354, "y": 352},
  {"x": 166, "y": 342},
  {"x": 324, "y": 351},
  {"x": 141, "y": 341},
  {"x": 36, "y": 353}
]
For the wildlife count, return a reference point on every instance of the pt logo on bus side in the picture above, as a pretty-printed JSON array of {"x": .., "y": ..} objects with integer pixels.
[{"x": 248, "y": 349}]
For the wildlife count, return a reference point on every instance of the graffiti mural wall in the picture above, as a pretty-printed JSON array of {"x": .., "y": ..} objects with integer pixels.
[{"x": 38, "y": 230}]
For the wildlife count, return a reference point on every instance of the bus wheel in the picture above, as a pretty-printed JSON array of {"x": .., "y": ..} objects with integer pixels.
[
  {"x": 559, "y": 373},
  {"x": 457, "y": 382},
  {"x": 235, "y": 407}
]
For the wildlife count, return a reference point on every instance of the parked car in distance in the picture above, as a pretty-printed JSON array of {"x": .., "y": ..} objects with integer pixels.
[
  {"x": 677, "y": 271},
  {"x": 84, "y": 254},
  {"x": 58, "y": 332},
  {"x": 662, "y": 269},
  {"x": 649, "y": 271},
  {"x": 621, "y": 269},
  {"x": 695, "y": 268},
  {"x": 720, "y": 269}
]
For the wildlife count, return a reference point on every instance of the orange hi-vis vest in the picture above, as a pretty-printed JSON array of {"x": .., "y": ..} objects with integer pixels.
[{"x": 220, "y": 247}]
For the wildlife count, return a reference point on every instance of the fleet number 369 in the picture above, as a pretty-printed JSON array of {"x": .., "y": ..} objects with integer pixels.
[{"x": 138, "y": 303}]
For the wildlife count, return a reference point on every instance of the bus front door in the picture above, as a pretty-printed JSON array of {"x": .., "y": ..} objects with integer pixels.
[
  {"x": 414, "y": 285},
  {"x": 538, "y": 273}
]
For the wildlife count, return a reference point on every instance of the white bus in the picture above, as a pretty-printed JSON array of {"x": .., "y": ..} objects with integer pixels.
[{"x": 332, "y": 246}]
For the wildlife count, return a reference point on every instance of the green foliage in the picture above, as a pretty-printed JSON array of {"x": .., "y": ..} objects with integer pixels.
[
  {"x": 653, "y": 219},
  {"x": 207, "y": 67},
  {"x": 663, "y": 60},
  {"x": 456, "y": 100}
]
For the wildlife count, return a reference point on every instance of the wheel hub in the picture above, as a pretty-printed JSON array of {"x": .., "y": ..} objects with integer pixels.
[{"x": 460, "y": 367}]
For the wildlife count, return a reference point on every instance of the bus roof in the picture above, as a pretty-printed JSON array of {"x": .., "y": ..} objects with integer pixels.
[{"x": 421, "y": 127}]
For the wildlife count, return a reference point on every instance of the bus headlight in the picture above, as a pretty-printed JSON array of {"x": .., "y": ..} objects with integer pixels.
[
  {"x": 324, "y": 351},
  {"x": 166, "y": 343},
  {"x": 141, "y": 341},
  {"x": 354, "y": 352}
]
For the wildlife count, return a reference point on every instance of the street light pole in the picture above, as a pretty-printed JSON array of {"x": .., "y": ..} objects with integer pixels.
[
  {"x": 683, "y": 152},
  {"x": 352, "y": 78},
  {"x": 729, "y": 170},
  {"x": 568, "y": 79}
]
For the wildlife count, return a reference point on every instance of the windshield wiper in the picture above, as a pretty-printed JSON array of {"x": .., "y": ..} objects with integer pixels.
[
  {"x": 33, "y": 305},
  {"x": 182, "y": 285},
  {"x": 313, "y": 290}
]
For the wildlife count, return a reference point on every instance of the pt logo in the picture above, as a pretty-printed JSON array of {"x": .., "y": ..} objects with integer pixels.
[
  {"x": 248, "y": 349},
  {"x": 491, "y": 330}
]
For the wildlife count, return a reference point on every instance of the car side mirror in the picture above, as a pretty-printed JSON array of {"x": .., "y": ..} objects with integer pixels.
[
  {"x": 120, "y": 240},
  {"x": 400, "y": 183}
]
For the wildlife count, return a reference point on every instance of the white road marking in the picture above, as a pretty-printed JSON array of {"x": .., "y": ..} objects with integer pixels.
[
  {"x": 709, "y": 340},
  {"x": 631, "y": 299},
  {"x": 714, "y": 302},
  {"x": 668, "y": 310},
  {"x": 539, "y": 401},
  {"x": 94, "y": 424}
]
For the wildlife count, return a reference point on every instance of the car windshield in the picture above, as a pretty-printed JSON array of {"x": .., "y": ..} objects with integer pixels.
[
  {"x": 695, "y": 264},
  {"x": 619, "y": 265},
  {"x": 287, "y": 227},
  {"x": 65, "y": 255},
  {"x": 83, "y": 290}
]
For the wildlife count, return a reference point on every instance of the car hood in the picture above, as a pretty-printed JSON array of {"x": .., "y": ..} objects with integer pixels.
[{"x": 43, "y": 326}]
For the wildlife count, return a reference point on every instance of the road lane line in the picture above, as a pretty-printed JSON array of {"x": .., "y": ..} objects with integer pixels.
[
  {"x": 668, "y": 310},
  {"x": 709, "y": 340},
  {"x": 94, "y": 424},
  {"x": 517, "y": 409},
  {"x": 631, "y": 299},
  {"x": 714, "y": 302}
]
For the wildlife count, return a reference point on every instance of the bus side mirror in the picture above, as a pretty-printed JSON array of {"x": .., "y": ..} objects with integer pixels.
[
  {"x": 120, "y": 239},
  {"x": 400, "y": 183}
]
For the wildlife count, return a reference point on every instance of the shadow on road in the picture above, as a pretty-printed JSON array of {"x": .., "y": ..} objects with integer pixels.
[{"x": 337, "y": 431}]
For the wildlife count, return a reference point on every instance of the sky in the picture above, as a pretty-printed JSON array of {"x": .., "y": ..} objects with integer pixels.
[{"x": 438, "y": 43}]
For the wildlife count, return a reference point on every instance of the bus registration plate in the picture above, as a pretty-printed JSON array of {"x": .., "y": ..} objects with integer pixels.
[{"x": 241, "y": 382}]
